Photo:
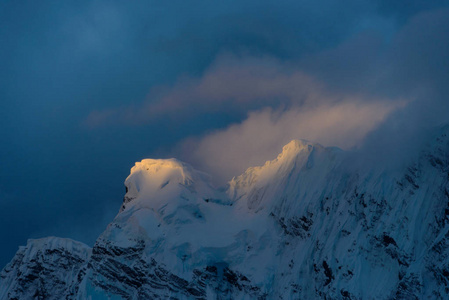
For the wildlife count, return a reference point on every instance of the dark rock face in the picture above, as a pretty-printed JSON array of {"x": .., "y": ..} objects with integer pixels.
[
  {"x": 129, "y": 273},
  {"x": 295, "y": 226},
  {"x": 44, "y": 269},
  {"x": 126, "y": 272}
]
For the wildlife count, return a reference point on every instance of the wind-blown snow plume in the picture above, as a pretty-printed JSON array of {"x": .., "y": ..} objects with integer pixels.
[{"x": 228, "y": 152}]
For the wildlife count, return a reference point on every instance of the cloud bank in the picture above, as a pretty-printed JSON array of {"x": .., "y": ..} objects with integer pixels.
[
  {"x": 281, "y": 103},
  {"x": 381, "y": 97},
  {"x": 363, "y": 91},
  {"x": 227, "y": 153},
  {"x": 231, "y": 83}
]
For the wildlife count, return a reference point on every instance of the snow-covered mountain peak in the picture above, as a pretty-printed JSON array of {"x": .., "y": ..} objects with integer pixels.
[
  {"x": 296, "y": 146},
  {"x": 157, "y": 166},
  {"x": 156, "y": 180},
  {"x": 309, "y": 224},
  {"x": 289, "y": 152},
  {"x": 297, "y": 157},
  {"x": 158, "y": 171}
]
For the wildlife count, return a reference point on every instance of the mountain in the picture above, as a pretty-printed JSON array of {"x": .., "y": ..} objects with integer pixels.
[
  {"x": 43, "y": 269},
  {"x": 314, "y": 223}
]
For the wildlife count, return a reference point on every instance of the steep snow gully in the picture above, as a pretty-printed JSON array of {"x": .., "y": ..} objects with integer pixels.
[{"x": 306, "y": 225}]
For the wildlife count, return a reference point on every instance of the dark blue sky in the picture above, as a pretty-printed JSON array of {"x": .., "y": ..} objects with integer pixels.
[{"x": 89, "y": 87}]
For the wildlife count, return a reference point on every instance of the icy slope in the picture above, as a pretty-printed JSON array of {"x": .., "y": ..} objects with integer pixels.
[
  {"x": 307, "y": 225},
  {"x": 300, "y": 170}
]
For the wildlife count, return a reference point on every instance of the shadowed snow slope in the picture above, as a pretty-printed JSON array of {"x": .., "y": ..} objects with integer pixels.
[{"x": 306, "y": 225}]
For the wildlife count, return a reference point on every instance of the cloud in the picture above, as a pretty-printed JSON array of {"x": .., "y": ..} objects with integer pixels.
[
  {"x": 419, "y": 53},
  {"x": 226, "y": 153},
  {"x": 230, "y": 83},
  {"x": 415, "y": 66},
  {"x": 356, "y": 99},
  {"x": 282, "y": 102},
  {"x": 361, "y": 88}
]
